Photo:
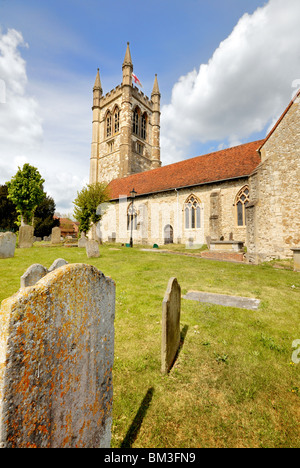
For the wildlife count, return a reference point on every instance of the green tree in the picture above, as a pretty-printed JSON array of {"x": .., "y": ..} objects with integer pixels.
[
  {"x": 25, "y": 190},
  {"x": 8, "y": 213},
  {"x": 87, "y": 203},
  {"x": 43, "y": 217}
]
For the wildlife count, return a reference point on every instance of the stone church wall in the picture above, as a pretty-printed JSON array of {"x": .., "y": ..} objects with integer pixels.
[
  {"x": 274, "y": 216},
  {"x": 156, "y": 211}
]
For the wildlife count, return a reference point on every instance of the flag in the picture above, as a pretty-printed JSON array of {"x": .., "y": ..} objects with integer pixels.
[{"x": 136, "y": 80}]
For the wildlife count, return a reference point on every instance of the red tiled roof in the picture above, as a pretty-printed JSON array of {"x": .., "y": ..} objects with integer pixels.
[{"x": 230, "y": 163}]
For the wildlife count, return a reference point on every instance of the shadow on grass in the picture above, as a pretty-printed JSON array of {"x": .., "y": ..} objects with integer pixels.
[{"x": 133, "y": 431}]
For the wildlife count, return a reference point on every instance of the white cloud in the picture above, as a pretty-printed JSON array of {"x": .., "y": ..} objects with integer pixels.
[
  {"x": 246, "y": 84},
  {"x": 44, "y": 124},
  {"x": 20, "y": 124}
]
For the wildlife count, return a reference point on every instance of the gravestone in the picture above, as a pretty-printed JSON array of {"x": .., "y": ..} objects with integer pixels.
[
  {"x": 26, "y": 237},
  {"x": 7, "y": 244},
  {"x": 92, "y": 249},
  {"x": 57, "y": 264},
  {"x": 82, "y": 241},
  {"x": 56, "y": 358},
  {"x": 296, "y": 252},
  {"x": 33, "y": 274},
  {"x": 55, "y": 235},
  {"x": 170, "y": 325},
  {"x": 223, "y": 299}
]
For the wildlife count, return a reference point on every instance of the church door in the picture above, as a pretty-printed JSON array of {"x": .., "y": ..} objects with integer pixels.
[{"x": 168, "y": 234}]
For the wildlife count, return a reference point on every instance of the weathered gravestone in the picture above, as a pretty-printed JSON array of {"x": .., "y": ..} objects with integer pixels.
[
  {"x": 56, "y": 358},
  {"x": 92, "y": 249},
  {"x": 26, "y": 237},
  {"x": 36, "y": 272},
  {"x": 33, "y": 274},
  {"x": 57, "y": 264},
  {"x": 82, "y": 241},
  {"x": 170, "y": 325},
  {"x": 7, "y": 244},
  {"x": 55, "y": 235}
]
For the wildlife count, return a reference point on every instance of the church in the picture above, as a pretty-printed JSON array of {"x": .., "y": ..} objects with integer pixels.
[{"x": 246, "y": 194}]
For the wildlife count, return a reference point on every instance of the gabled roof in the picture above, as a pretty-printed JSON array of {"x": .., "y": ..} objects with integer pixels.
[
  {"x": 230, "y": 163},
  {"x": 297, "y": 95}
]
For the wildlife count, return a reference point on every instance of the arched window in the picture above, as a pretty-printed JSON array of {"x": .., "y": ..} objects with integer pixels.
[
  {"x": 144, "y": 126},
  {"x": 116, "y": 120},
  {"x": 192, "y": 213},
  {"x": 108, "y": 124},
  {"x": 136, "y": 121},
  {"x": 241, "y": 201},
  {"x": 131, "y": 218}
]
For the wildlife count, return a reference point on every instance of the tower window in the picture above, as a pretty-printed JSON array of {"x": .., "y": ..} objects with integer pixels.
[
  {"x": 139, "y": 148},
  {"x": 117, "y": 120},
  {"x": 241, "y": 201},
  {"x": 135, "y": 122},
  {"x": 110, "y": 147},
  {"x": 143, "y": 126},
  {"x": 108, "y": 125}
]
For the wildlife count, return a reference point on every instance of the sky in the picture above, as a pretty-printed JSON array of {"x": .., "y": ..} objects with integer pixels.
[{"x": 226, "y": 70}]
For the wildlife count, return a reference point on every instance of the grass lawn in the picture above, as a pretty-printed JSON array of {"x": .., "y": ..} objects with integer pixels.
[{"x": 233, "y": 384}]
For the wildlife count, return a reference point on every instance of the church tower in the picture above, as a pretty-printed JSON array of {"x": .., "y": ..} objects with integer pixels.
[{"x": 125, "y": 129}]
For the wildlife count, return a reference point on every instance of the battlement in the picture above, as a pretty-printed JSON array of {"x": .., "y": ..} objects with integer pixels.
[
  {"x": 138, "y": 94},
  {"x": 111, "y": 95}
]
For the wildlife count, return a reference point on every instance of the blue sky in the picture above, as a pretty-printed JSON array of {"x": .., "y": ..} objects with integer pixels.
[{"x": 226, "y": 71}]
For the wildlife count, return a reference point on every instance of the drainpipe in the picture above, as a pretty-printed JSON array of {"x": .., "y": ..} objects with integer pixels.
[{"x": 177, "y": 213}]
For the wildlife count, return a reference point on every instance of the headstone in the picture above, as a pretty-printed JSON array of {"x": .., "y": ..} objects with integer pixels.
[
  {"x": 170, "y": 325},
  {"x": 57, "y": 264},
  {"x": 33, "y": 274},
  {"x": 296, "y": 252},
  {"x": 56, "y": 358},
  {"x": 223, "y": 299},
  {"x": 26, "y": 237},
  {"x": 82, "y": 241},
  {"x": 55, "y": 235},
  {"x": 92, "y": 249},
  {"x": 7, "y": 244}
]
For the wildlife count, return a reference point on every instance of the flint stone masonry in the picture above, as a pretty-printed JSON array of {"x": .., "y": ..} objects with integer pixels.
[
  {"x": 55, "y": 235},
  {"x": 170, "y": 325},
  {"x": 56, "y": 358},
  {"x": 26, "y": 237},
  {"x": 92, "y": 249},
  {"x": 7, "y": 244}
]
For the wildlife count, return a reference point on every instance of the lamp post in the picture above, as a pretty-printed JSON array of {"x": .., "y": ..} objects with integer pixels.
[{"x": 132, "y": 195}]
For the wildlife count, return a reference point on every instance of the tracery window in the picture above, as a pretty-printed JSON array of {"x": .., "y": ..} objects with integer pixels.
[
  {"x": 108, "y": 124},
  {"x": 144, "y": 126},
  {"x": 116, "y": 120},
  {"x": 241, "y": 201},
  {"x": 192, "y": 213},
  {"x": 131, "y": 218},
  {"x": 136, "y": 121}
]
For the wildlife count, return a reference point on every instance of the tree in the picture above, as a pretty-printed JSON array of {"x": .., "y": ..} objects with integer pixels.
[
  {"x": 87, "y": 203},
  {"x": 25, "y": 190},
  {"x": 43, "y": 217},
  {"x": 8, "y": 213}
]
